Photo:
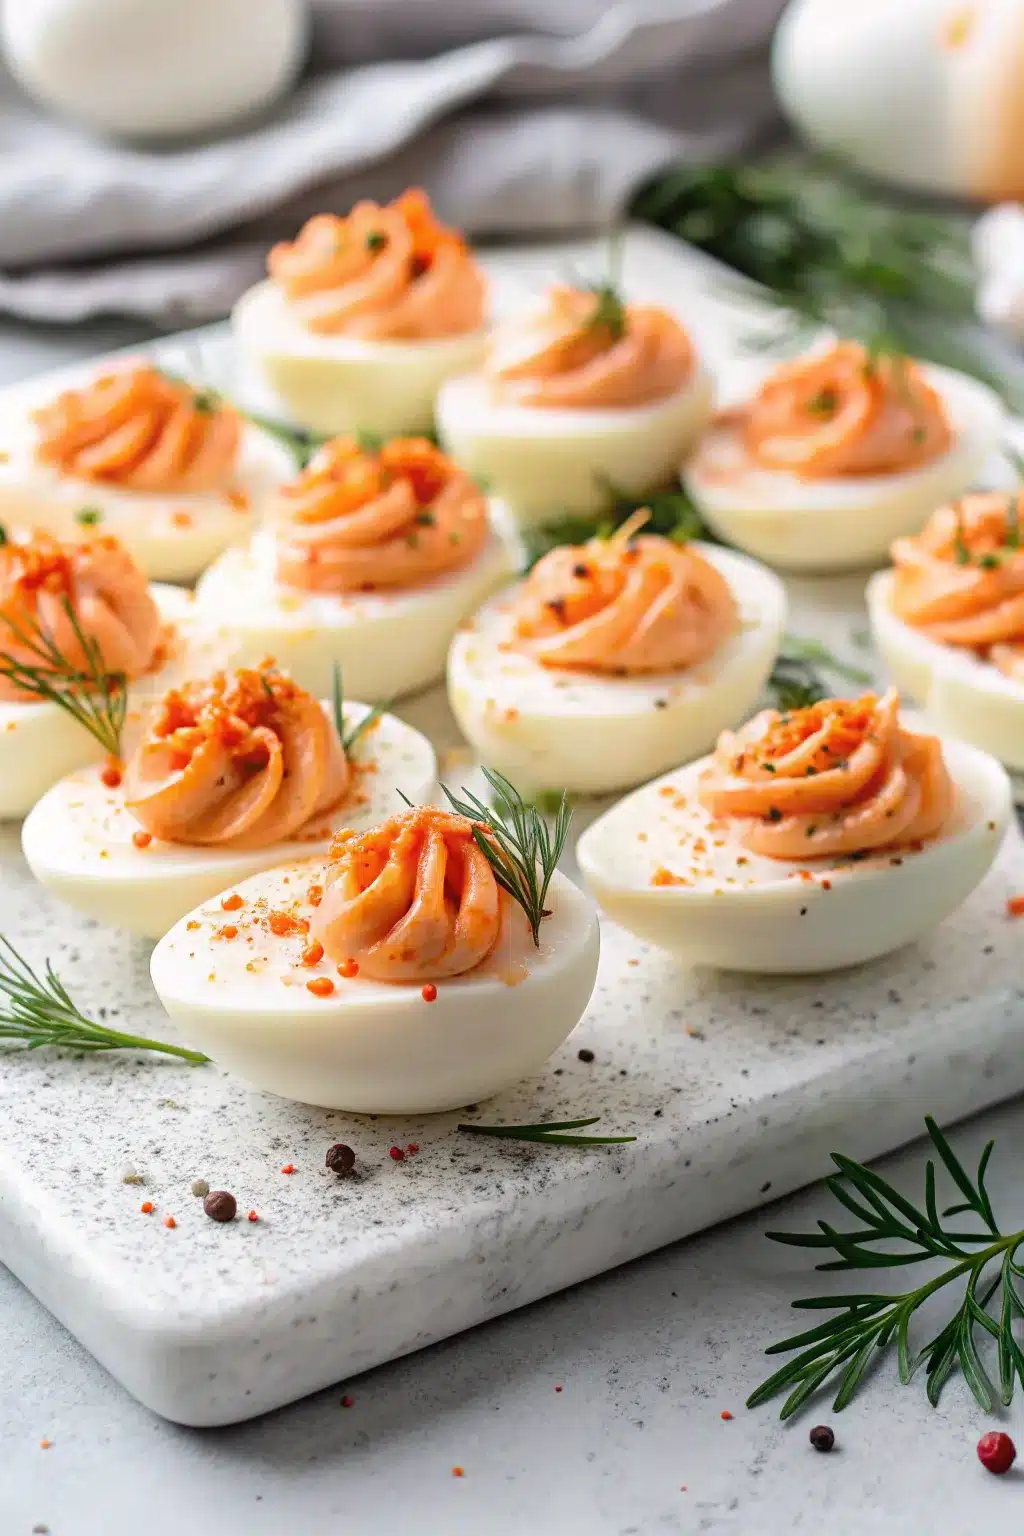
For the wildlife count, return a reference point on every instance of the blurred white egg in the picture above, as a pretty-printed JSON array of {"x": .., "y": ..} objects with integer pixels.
[
  {"x": 923, "y": 93},
  {"x": 154, "y": 68}
]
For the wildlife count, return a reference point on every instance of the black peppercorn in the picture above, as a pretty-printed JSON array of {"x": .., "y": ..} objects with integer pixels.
[
  {"x": 822, "y": 1438},
  {"x": 585, "y": 1055},
  {"x": 219, "y": 1205},
  {"x": 340, "y": 1159}
]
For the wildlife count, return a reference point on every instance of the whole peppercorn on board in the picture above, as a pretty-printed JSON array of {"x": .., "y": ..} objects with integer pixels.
[{"x": 736, "y": 1088}]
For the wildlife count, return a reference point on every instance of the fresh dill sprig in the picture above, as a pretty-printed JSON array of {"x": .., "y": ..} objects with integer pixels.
[
  {"x": 868, "y": 1322},
  {"x": 548, "y": 1133},
  {"x": 799, "y": 677},
  {"x": 517, "y": 843},
  {"x": 673, "y": 514},
  {"x": 38, "y": 1010},
  {"x": 90, "y": 694},
  {"x": 350, "y": 736}
]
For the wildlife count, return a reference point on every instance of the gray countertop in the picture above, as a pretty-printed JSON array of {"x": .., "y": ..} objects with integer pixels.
[{"x": 648, "y": 1359}]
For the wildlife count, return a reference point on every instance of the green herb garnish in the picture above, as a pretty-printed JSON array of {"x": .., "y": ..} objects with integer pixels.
[
  {"x": 799, "y": 677},
  {"x": 350, "y": 737},
  {"x": 90, "y": 694},
  {"x": 516, "y": 842},
  {"x": 869, "y": 1322},
  {"x": 88, "y": 517},
  {"x": 548, "y": 1132},
  {"x": 673, "y": 515},
  {"x": 376, "y": 240},
  {"x": 824, "y": 403},
  {"x": 38, "y": 1010}
]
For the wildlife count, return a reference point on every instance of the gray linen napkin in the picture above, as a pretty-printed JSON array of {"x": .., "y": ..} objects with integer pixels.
[{"x": 516, "y": 120}]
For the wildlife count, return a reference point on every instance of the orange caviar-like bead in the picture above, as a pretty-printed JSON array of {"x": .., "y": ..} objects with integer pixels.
[
  {"x": 429, "y": 993},
  {"x": 232, "y": 903},
  {"x": 315, "y": 895},
  {"x": 229, "y": 931},
  {"x": 142, "y": 839},
  {"x": 112, "y": 775},
  {"x": 146, "y": 1207},
  {"x": 284, "y": 925},
  {"x": 320, "y": 986},
  {"x": 313, "y": 953},
  {"x": 348, "y": 969}
]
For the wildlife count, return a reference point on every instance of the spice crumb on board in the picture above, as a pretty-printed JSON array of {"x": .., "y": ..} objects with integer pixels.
[
  {"x": 253, "y": 1216},
  {"x": 347, "y": 1402},
  {"x": 44, "y": 1445},
  {"x": 170, "y": 1223},
  {"x": 726, "y": 1414},
  {"x": 396, "y": 1154},
  {"x": 1015, "y": 906},
  {"x": 288, "y": 1168},
  {"x": 147, "y": 1207},
  {"x": 458, "y": 1471},
  {"x": 585, "y": 1055}
]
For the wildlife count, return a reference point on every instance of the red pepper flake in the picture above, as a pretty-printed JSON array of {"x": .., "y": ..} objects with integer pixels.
[
  {"x": 232, "y": 903},
  {"x": 558, "y": 1389},
  {"x": 1015, "y": 906},
  {"x": 147, "y": 1207},
  {"x": 458, "y": 1471},
  {"x": 348, "y": 969},
  {"x": 229, "y": 931},
  {"x": 253, "y": 1216},
  {"x": 348, "y": 1402},
  {"x": 44, "y": 1445},
  {"x": 315, "y": 895},
  {"x": 320, "y": 986},
  {"x": 429, "y": 993},
  {"x": 112, "y": 775},
  {"x": 396, "y": 1154},
  {"x": 413, "y": 1148},
  {"x": 313, "y": 953},
  {"x": 170, "y": 1223},
  {"x": 726, "y": 1414},
  {"x": 288, "y": 1168},
  {"x": 826, "y": 885},
  {"x": 142, "y": 839},
  {"x": 284, "y": 925}
]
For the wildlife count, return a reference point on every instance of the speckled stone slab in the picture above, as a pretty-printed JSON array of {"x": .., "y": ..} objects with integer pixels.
[{"x": 736, "y": 1089}]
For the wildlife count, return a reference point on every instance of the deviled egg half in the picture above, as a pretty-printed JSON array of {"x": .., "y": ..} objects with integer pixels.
[
  {"x": 948, "y": 619},
  {"x": 371, "y": 560},
  {"x": 222, "y": 778},
  {"x": 173, "y": 472},
  {"x": 583, "y": 400},
  {"x": 613, "y": 660},
  {"x": 400, "y": 978},
  {"x": 809, "y": 840},
  {"x": 77, "y": 619},
  {"x": 839, "y": 453},
  {"x": 363, "y": 318}
]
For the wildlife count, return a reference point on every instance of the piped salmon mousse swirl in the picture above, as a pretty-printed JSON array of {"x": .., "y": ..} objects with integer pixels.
[
  {"x": 412, "y": 900},
  {"x": 359, "y": 519},
  {"x": 74, "y": 598},
  {"x": 840, "y": 777},
  {"x": 141, "y": 430},
  {"x": 961, "y": 580},
  {"x": 587, "y": 350},
  {"x": 845, "y": 412},
  {"x": 241, "y": 761},
  {"x": 390, "y": 273},
  {"x": 624, "y": 605}
]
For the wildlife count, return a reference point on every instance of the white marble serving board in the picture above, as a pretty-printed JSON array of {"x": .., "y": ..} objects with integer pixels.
[{"x": 735, "y": 1088}]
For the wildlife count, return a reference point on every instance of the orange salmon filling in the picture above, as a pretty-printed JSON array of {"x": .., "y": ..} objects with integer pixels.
[
  {"x": 391, "y": 273},
  {"x": 412, "y": 900},
  {"x": 961, "y": 580},
  {"x": 138, "y": 429},
  {"x": 356, "y": 519},
  {"x": 842, "y": 777},
  {"x": 242, "y": 760},
  {"x": 48, "y": 587},
  {"x": 624, "y": 605},
  {"x": 845, "y": 413},
  {"x": 586, "y": 353}
]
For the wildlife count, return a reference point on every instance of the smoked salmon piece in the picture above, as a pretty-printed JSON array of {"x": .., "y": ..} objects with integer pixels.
[
  {"x": 383, "y": 273},
  {"x": 142, "y": 430},
  {"x": 242, "y": 760},
  {"x": 587, "y": 351},
  {"x": 412, "y": 900},
  {"x": 961, "y": 580},
  {"x": 358, "y": 519},
  {"x": 97, "y": 579},
  {"x": 623, "y": 606},
  {"x": 845, "y": 412},
  {"x": 840, "y": 777}
]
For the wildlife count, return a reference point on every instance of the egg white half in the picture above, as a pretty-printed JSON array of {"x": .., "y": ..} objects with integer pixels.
[
  {"x": 341, "y": 383},
  {"x": 373, "y": 1047},
  {"x": 78, "y": 838},
  {"x": 551, "y": 729},
  {"x": 841, "y": 523},
  {"x": 40, "y": 742},
  {"x": 960, "y": 693},
  {"x": 387, "y": 643},
  {"x": 543, "y": 462},
  {"x": 173, "y": 537},
  {"x": 743, "y": 912}
]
